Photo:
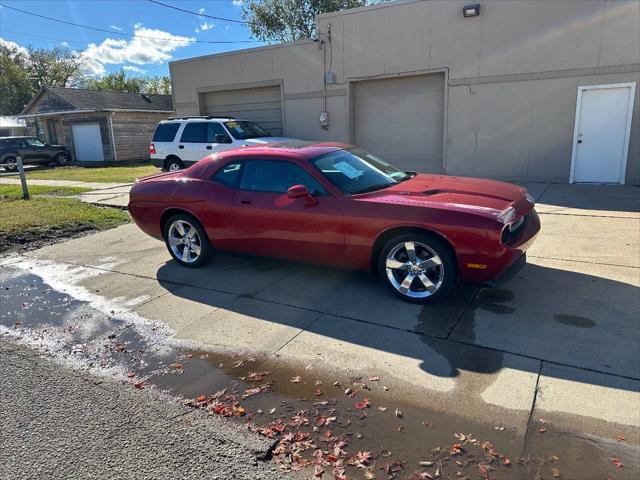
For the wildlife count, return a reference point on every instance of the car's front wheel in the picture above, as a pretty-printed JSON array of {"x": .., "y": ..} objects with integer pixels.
[
  {"x": 187, "y": 241},
  {"x": 61, "y": 159},
  {"x": 418, "y": 268}
]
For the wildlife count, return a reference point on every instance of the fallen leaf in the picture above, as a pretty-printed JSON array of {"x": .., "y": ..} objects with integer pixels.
[
  {"x": 555, "y": 472},
  {"x": 506, "y": 461},
  {"x": 131, "y": 374},
  {"x": 139, "y": 385},
  {"x": 620, "y": 437},
  {"x": 483, "y": 471},
  {"x": 349, "y": 392},
  {"x": 542, "y": 429},
  {"x": 617, "y": 462},
  {"x": 318, "y": 471},
  {"x": 201, "y": 398},
  {"x": 374, "y": 378},
  {"x": 363, "y": 404},
  {"x": 238, "y": 410},
  {"x": 398, "y": 413},
  {"x": 318, "y": 393},
  {"x": 296, "y": 379},
  {"x": 382, "y": 409}
]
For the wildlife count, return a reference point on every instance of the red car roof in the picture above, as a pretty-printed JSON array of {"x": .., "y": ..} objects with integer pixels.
[{"x": 297, "y": 149}]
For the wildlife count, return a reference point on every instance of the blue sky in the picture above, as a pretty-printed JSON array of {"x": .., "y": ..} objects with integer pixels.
[{"x": 161, "y": 34}]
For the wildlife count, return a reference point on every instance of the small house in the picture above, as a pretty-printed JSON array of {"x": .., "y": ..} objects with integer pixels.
[{"x": 96, "y": 125}]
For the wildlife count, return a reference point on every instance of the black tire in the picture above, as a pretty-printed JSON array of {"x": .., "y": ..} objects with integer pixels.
[
  {"x": 173, "y": 164},
  {"x": 61, "y": 159},
  {"x": 10, "y": 160},
  {"x": 206, "y": 249},
  {"x": 448, "y": 267}
]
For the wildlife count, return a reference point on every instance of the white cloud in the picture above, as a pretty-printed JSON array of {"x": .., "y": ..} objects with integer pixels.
[
  {"x": 227, "y": 27},
  {"x": 201, "y": 10},
  {"x": 131, "y": 68},
  {"x": 14, "y": 46},
  {"x": 115, "y": 27},
  {"x": 64, "y": 44},
  {"x": 237, "y": 3},
  {"x": 147, "y": 46},
  {"x": 207, "y": 26}
]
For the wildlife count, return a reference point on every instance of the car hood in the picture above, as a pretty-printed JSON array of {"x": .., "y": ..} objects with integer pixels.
[
  {"x": 263, "y": 140},
  {"x": 487, "y": 198}
]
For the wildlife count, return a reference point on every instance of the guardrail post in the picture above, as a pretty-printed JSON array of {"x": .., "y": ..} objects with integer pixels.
[{"x": 23, "y": 179}]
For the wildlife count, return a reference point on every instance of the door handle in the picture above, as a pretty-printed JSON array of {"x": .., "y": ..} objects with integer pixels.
[
  {"x": 209, "y": 147},
  {"x": 180, "y": 146},
  {"x": 245, "y": 202}
]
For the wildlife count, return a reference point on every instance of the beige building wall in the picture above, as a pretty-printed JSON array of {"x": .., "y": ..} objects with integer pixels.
[{"x": 511, "y": 75}]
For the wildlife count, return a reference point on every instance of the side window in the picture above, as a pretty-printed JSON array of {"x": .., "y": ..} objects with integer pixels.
[
  {"x": 277, "y": 177},
  {"x": 217, "y": 134},
  {"x": 229, "y": 175},
  {"x": 166, "y": 132},
  {"x": 195, "y": 132},
  {"x": 34, "y": 142}
]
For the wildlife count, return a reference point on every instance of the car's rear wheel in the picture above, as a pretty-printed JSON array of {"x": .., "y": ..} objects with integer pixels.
[
  {"x": 418, "y": 268},
  {"x": 187, "y": 241},
  {"x": 173, "y": 164},
  {"x": 9, "y": 160},
  {"x": 61, "y": 159}
]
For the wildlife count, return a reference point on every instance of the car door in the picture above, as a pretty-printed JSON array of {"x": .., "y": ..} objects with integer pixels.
[
  {"x": 35, "y": 149},
  {"x": 200, "y": 139},
  {"x": 267, "y": 222}
]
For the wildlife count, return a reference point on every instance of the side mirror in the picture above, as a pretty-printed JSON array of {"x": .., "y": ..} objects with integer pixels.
[
  {"x": 300, "y": 191},
  {"x": 221, "y": 138}
]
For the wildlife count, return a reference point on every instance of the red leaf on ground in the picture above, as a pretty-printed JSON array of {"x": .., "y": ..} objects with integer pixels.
[
  {"x": 375, "y": 378},
  {"x": 617, "y": 462},
  {"x": 542, "y": 429},
  {"x": 483, "y": 471},
  {"x": 131, "y": 374},
  {"x": 506, "y": 461},
  {"x": 201, "y": 398},
  {"x": 620, "y": 437},
  {"x": 139, "y": 385},
  {"x": 366, "y": 403}
]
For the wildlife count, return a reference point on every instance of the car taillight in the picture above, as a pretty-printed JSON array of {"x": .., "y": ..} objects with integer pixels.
[{"x": 152, "y": 149}]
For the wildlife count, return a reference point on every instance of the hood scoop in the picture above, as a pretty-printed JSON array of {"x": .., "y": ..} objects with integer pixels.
[{"x": 453, "y": 191}]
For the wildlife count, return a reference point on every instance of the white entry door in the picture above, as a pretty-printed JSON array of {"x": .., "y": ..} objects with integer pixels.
[
  {"x": 601, "y": 136},
  {"x": 88, "y": 142}
]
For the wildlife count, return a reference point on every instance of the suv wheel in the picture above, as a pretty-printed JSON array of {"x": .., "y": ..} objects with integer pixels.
[
  {"x": 418, "y": 268},
  {"x": 173, "y": 164},
  {"x": 61, "y": 159},
  {"x": 10, "y": 160}
]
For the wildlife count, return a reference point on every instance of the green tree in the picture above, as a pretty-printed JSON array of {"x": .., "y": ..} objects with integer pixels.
[
  {"x": 24, "y": 71},
  {"x": 120, "y": 81},
  {"x": 15, "y": 87},
  {"x": 275, "y": 21}
]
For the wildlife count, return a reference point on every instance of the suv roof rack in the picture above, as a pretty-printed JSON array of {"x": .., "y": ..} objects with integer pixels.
[{"x": 207, "y": 117}]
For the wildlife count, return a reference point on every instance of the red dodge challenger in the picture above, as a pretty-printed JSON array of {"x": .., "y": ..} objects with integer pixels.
[{"x": 335, "y": 204}]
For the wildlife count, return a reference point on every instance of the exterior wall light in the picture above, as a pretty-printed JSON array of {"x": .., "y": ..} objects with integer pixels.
[{"x": 471, "y": 10}]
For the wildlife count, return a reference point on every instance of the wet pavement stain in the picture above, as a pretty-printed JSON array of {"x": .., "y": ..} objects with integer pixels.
[
  {"x": 339, "y": 427},
  {"x": 574, "y": 320}
]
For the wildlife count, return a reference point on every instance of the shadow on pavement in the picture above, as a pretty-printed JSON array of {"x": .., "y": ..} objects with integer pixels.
[{"x": 563, "y": 317}]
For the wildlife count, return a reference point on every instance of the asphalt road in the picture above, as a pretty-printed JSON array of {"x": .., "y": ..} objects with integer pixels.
[{"x": 57, "y": 423}]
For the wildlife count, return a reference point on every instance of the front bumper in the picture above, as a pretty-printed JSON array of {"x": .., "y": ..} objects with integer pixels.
[{"x": 508, "y": 274}]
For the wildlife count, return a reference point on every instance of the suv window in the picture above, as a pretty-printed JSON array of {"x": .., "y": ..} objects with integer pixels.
[
  {"x": 203, "y": 132},
  {"x": 229, "y": 174},
  {"x": 194, "y": 132},
  {"x": 277, "y": 177},
  {"x": 166, "y": 132},
  {"x": 34, "y": 142}
]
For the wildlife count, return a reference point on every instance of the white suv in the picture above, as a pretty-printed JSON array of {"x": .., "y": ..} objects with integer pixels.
[{"x": 181, "y": 141}]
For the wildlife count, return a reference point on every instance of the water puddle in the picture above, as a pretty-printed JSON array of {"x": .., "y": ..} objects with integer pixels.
[{"x": 327, "y": 427}]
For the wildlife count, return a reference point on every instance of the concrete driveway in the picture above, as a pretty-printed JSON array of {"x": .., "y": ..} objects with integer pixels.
[{"x": 560, "y": 341}]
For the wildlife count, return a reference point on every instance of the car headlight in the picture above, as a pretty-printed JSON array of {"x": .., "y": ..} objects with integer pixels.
[
  {"x": 507, "y": 215},
  {"x": 530, "y": 198}
]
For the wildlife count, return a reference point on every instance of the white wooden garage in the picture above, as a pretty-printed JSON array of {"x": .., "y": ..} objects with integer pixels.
[
  {"x": 88, "y": 142},
  {"x": 262, "y": 105}
]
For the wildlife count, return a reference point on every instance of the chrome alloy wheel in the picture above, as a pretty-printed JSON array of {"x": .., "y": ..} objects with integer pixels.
[
  {"x": 174, "y": 167},
  {"x": 184, "y": 241},
  {"x": 414, "y": 269}
]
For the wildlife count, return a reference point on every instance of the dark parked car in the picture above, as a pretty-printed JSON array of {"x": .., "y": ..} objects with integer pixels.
[{"x": 32, "y": 150}]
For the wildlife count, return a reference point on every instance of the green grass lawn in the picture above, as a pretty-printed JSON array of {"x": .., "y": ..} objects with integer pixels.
[
  {"x": 115, "y": 174},
  {"x": 45, "y": 217},
  {"x": 13, "y": 192}
]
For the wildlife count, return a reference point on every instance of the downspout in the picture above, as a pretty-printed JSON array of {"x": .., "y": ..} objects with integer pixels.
[{"x": 113, "y": 138}]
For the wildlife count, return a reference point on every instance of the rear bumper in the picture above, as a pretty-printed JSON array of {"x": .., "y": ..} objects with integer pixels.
[{"x": 157, "y": 162}]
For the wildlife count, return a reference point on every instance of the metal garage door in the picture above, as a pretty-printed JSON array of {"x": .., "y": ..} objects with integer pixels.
[
  {"x": 262, "y": 105},
  {"x": 88, "y": 142},
  {"x": 401, "y": 120}
]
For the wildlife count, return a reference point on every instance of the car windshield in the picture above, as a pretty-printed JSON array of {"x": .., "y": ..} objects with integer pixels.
[
  {"x": 355, "y": 171},
  {"x": 243, "y": 130}
]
